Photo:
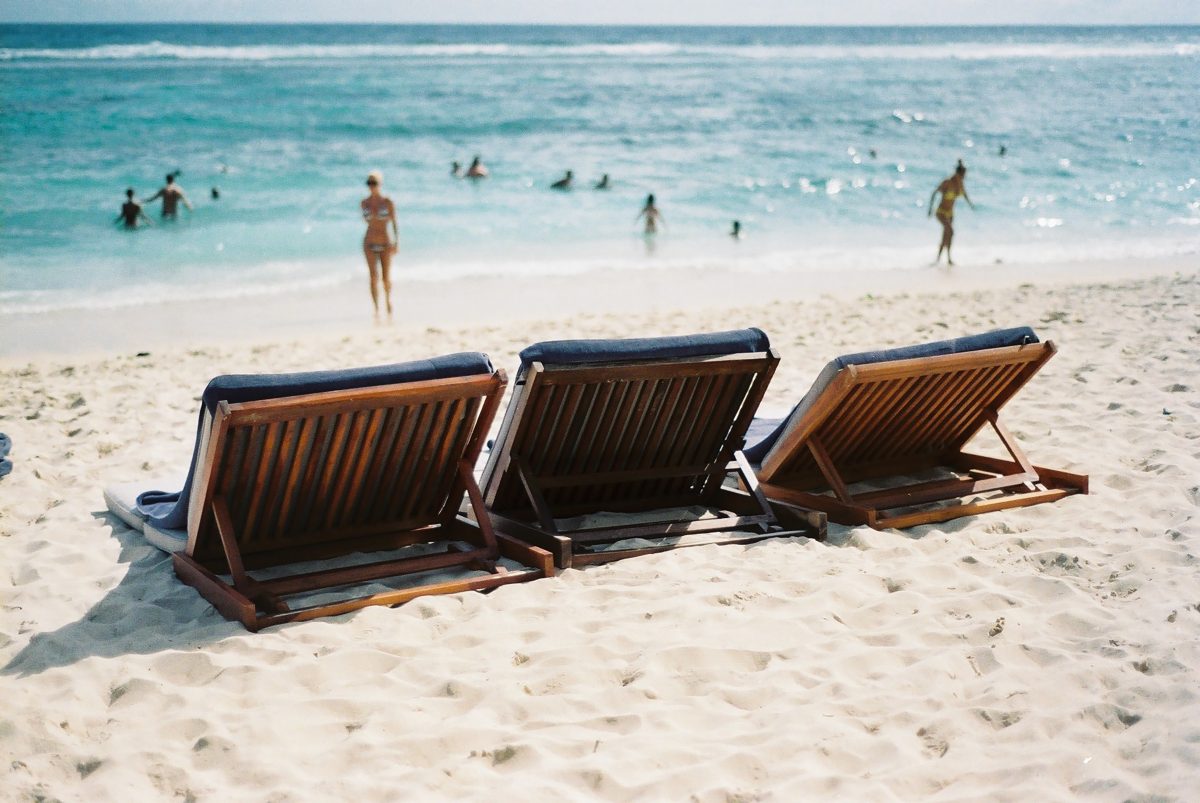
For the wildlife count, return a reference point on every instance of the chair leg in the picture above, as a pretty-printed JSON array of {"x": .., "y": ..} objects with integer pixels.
[
  {"x": 226, "y": 599},
  {"x": 534, "y": 492},
  {"x": 829, "y": 470},
  {"x": 750, "y": 480},
  {"x": 475, "y": 498}
]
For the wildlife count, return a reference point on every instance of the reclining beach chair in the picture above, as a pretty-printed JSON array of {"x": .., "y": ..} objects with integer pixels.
[
  {"x": 320, "y": 466},
  {"x": 641, "y": 428},
  {"x": 882, "y": 415}
]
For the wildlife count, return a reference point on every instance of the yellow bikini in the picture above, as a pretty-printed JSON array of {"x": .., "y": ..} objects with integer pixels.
[{"x": 946, "y": 207}]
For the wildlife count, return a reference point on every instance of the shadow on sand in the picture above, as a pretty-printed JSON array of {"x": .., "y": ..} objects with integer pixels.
[{"x": 149, "y": 611}]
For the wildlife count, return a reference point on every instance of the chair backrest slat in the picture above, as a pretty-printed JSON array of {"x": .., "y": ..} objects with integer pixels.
[
  {"x": 598, "y": 446},
  {"x": 678, "y": 417},
  {"x": 289, "y": 500},
  {"x": 358, "y": 475},
  {"x": 438, "y": 465},
  {"x": 872, "y": 405},
  {"x": 351, "y": 438},
  {"x": 274, "y": 474},
  {"x": 961, "y": 424},
  {"x": 284, "y": 460}
]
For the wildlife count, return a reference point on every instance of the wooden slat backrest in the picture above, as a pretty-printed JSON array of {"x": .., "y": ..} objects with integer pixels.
[
  {"x": 904, "y": 410},
  {"x": 595, "y": 421},
  {"x": 337, "y": 466}
]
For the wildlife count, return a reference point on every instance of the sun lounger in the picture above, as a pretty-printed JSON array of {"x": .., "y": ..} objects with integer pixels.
[
  {"x": 327, "y": 465},
  {"x": 647, "y": 430},
  {"x": 883, "y": 415}
]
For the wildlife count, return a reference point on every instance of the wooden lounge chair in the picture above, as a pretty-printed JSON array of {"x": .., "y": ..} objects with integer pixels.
[
  {"x": 320, "y": 466},
  {"x": 635, "y": 427},
  {"x": 882, "y": 415}
]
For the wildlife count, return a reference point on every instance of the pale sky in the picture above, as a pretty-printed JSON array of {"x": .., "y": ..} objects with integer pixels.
[{"x": 631, "y": 12}]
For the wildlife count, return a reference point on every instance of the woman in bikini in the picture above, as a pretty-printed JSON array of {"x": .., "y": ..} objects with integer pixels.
[
  {"x": 378, "y": 247},
  {"x": 950, "y": 189}
]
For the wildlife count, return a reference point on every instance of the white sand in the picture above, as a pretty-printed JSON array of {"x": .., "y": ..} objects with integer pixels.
[{"x": 1046, "y": 653}]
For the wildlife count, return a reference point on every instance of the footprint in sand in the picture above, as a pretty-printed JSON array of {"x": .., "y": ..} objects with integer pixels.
[
  {"x": 997, "y": 628},
  {"x": 934, "y": 745}
]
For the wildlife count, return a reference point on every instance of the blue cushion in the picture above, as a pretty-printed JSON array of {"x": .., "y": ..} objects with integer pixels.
[
  {"x": 5, "y": 448},
  {"x": 997, "y": 338},
  {"x": 169, "y": 509},
  {"x": 581, "y": 352}
]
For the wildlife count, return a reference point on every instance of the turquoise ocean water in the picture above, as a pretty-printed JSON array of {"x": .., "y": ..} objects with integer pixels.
[{"x": 771, "y": 126}]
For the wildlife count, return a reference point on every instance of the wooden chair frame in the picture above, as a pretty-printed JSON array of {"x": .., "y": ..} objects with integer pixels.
[
  {"x": 890, "y": 419},
  {"x": 365, "y": 462},
  {"x": 568, "y": 427}
]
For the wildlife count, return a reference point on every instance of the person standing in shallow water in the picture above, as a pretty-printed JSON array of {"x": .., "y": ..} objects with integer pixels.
[
  {"x": 652, "y": 215},
  {"x": 950, "y": 188},
  {"x": 378, "y": 246},
  {"x": 172, "y": 195},
  {"x": 131, "y": 212}
]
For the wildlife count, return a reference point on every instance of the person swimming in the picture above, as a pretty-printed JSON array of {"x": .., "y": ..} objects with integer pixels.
[
  {"x": 950, "y": 188},
  {"x": 131, "y": 212},
  {"x": 477, "y": 170},
  {"x": 378, "y": 211},
  {"x": 652, "y": 215},
  {"x": 456, "y": 170},
  {"x": 564, "y": 183},
  {"x": 602, "y": 184}
]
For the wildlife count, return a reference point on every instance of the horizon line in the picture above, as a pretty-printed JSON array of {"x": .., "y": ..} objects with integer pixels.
[{"x": 616, "y": 24}]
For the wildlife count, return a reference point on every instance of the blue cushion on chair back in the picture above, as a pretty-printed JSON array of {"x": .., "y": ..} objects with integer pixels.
[{"x": 582, "y": 352}]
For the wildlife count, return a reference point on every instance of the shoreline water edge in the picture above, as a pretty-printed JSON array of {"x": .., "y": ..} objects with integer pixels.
[{"x": 343, "y": 309}]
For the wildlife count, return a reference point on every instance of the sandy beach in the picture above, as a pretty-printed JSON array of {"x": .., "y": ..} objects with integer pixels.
[{"x": 1045, "y": 653}]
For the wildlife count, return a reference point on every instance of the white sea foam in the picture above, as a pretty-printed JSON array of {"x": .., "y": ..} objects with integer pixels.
[
  {"x": 269, "y": 280},
  {"x": 966, "y": 51},
  {"x": 277, "y": 278}
]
